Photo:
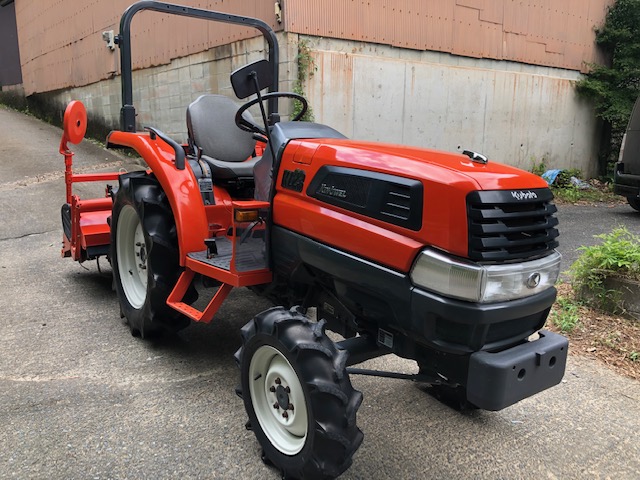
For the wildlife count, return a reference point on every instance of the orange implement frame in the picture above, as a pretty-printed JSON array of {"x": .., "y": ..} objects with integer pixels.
[
  {"x": 88, "y": 230},
  {"x": 228, "y": 278},
  {"x": 89, "y": 227}
]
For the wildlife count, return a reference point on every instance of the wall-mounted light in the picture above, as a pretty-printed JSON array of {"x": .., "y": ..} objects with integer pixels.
[
  {"x": 109, "y": 37},
  {"x": 278, "y": 8}
]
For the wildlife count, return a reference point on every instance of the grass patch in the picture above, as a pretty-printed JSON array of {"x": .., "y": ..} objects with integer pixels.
[
  {"x": 565, "y": 314},
  {"x": 599, "y": 192}
]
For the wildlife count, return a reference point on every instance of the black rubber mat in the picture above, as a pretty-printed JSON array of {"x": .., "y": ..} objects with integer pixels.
[{"x": 250, "y": 255}]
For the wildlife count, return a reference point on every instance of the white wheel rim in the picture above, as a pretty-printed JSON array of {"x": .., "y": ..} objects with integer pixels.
[
  {"x": 270, "y": 370},
  {"x": 132, "y": 257}
]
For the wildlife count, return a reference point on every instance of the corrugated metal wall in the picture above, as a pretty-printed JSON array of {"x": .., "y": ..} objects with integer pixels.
[
  {"x": 556, "y": 33},
  {"x": 61, "y": 40}
]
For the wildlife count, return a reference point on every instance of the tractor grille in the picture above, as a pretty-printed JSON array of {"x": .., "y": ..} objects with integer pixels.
[{"x": 510, "y": 225}]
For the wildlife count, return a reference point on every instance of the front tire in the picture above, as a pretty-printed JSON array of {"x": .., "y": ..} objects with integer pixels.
[
  {"x": 144, "y": 255},
  {"x": 300, "y": 402}
]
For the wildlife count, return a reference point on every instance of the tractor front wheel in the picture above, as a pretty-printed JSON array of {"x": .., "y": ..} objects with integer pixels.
[
  {"x": 296, "y": 391},
  {"x": 144, "y": 255}
]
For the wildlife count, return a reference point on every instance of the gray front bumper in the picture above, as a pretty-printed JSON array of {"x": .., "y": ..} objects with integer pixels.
[{"x": 497, "y": 380}]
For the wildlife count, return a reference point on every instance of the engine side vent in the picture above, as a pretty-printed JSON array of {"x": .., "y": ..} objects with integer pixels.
[
  {"x": 397, "y": 202},
  {"x": 509, "y": 225},
  {"x": 392, "y": 199}
]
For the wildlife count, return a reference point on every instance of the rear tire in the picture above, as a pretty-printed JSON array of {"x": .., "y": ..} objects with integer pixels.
[
  {"x": 634, "y": 202},
  {"x": 300, "y": 402},
  {"x": 144, "y": 256}
]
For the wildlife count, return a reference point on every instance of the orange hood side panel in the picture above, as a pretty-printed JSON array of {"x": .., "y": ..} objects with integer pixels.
[{"x": 447, "y": 178}]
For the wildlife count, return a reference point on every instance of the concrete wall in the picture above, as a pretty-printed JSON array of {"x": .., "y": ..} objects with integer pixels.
[
  {"x": 161, "y": 94},
  {"x": 514, "y": 113}
]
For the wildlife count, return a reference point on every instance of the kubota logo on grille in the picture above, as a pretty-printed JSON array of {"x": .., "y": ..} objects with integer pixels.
[{"x": 524, "y": 195}]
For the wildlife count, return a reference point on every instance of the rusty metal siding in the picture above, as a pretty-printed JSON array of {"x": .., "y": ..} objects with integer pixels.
[
  {"x": 61, "y": 40},
  {"x": 556, "y": 33}
]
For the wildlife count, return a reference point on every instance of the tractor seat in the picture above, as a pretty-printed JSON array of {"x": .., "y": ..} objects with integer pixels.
[{"x": 226, "y": 149}]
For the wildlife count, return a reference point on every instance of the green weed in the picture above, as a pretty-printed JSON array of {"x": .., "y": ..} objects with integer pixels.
[
  {"x": 618, "y": 254},
  {"x": 565, "y": 314},
  {"x": 571, "y": 193},
  {"x": 306, "y": 69},
  {"x": 538, "y": 168}
]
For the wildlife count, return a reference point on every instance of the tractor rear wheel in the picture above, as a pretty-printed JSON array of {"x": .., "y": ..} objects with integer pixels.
[
  {"x": 296, "y": 391},
  {"x": 144, "y": 255}
]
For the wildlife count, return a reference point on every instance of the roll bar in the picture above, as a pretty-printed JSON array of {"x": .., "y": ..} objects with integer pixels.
[{"x": 128, "y": 111}]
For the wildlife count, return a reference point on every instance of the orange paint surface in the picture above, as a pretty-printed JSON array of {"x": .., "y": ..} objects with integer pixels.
[
  {"x": 447, "y": 178},
  {"x": 180, "y": 187}
]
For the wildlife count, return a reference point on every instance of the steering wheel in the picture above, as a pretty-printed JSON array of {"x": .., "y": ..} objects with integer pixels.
[{"x": 248, "y": 126}]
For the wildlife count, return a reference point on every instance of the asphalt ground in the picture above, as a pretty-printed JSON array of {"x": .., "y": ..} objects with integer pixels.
[{"x": 80, "y": 398}]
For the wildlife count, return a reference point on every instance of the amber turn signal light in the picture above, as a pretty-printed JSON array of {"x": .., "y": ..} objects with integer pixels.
[{"x": 246, "y": 215}]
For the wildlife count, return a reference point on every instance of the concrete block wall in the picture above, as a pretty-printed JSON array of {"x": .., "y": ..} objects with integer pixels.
[
  {"x": 161, "y": 94},
  {"x": 512, "y": 112}
]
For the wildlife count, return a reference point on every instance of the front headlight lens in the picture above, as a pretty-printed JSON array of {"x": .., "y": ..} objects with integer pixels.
[
  {"x": 466, "y": 280},
  {"x": 452, "y": 277}
]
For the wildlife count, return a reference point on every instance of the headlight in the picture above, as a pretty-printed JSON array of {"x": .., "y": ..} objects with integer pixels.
[{"x": 466, "y": 280}]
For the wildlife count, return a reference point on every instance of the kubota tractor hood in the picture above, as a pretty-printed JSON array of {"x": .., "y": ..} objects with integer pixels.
[{"x": 427, "y": 164}]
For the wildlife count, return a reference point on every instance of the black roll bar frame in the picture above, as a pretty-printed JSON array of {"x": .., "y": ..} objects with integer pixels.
[{"x": 128, "y": 111}]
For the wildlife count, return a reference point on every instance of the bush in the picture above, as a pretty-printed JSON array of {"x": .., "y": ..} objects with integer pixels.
[
  {"x": 613, "y": 88},
  {"x": 617, "y": 256}
]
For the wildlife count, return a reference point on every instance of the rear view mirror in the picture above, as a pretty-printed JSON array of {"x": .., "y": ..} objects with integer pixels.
[{"x": 244, "y": 79}]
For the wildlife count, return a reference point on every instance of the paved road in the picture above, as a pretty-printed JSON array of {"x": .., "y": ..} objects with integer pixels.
[{"x": 80, "y": 398}]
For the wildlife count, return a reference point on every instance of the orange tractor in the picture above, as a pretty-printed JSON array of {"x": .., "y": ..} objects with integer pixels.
[{"x": 447, "y": 259}]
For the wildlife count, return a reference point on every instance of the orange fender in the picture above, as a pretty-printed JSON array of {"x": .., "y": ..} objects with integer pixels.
[{"x": 180, "y": 186}]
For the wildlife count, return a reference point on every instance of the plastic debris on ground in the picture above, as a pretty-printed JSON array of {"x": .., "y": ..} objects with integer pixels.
[
  {"x": 581, "y": 184},
  {"x": 550, "y": 175}
]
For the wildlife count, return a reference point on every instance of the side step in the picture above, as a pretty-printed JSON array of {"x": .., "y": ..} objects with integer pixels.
[
  {"x": 239, "y": 260},
  {"x": 175, "y": 299}
]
